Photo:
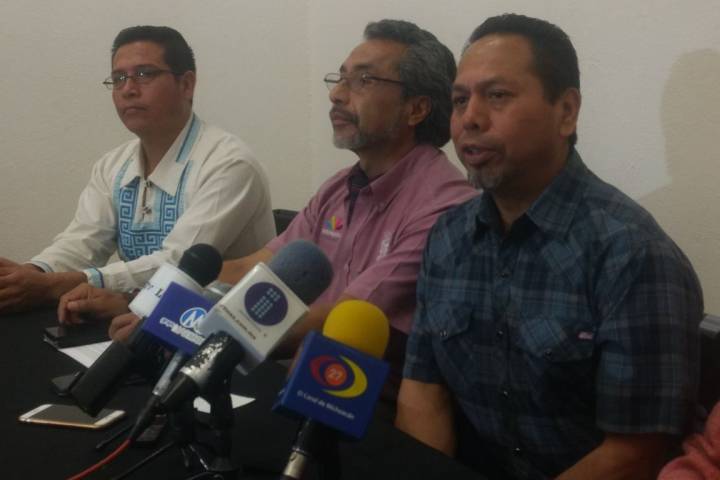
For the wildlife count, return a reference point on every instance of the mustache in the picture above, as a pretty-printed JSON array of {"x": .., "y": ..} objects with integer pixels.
[{"x": 345, "y": 115}]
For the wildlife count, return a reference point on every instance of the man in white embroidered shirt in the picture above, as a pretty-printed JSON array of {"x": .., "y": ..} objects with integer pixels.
[{"x": 179, "y": 183}]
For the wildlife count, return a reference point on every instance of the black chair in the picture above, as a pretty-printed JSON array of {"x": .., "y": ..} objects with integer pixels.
[
  {"x": 283, "y": 219},
  {"x": 709, "y": 361}
]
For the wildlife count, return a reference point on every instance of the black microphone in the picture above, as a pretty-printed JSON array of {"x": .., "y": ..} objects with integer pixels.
[
  {"x": 253, "y": 318},
  {"x": 198, "y": 266}
]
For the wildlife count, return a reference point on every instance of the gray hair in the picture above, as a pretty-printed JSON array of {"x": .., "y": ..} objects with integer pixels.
[{"x": 427, "y": 68}]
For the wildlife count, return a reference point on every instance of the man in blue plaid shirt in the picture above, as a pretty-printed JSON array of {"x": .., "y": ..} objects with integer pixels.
[{"x": 553, "y": 313}]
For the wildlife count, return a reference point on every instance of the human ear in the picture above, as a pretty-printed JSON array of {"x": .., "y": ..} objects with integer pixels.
[
  {"x": 568, "y": 110},
  {"x": 419, "y": 108}
]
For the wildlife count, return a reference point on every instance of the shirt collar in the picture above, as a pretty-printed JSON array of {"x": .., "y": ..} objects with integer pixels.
[
  {"x": 555, "y": 208},
  {"x": 357, "y": 176},
  {"x": 553, "y": 211},
  {"x": 168, "y": 172},
  {"x": 486, "y": 214},
  {"x": 385, "y": 187}
]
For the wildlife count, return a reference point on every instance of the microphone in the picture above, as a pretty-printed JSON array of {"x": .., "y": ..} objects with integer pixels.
[
  {"x": 335, "y": 384},
  {"x": 174, "y": 322},
  {"x": 199, "y": 265},
  {"x": 250, "y": 320}
]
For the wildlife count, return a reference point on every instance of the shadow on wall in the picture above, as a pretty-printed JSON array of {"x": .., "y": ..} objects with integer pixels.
[{"x": 689, "y": 207}]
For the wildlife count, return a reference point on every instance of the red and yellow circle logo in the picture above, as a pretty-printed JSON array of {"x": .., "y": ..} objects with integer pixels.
[{"x": 341, "y": 376}]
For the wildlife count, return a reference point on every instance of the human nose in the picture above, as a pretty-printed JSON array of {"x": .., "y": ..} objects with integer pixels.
[
  {"x": 129, "y": 87},
  {"x": 476, "y": 115},
  {"x": 339, "y": 92}
]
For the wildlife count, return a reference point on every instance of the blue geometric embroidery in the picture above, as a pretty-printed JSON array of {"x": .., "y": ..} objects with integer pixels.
[
  {"x": 138, "y": 239},
  {"x": 95, "y": 277}
]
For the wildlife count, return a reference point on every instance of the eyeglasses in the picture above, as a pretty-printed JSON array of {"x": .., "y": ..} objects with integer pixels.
[
  {"x": 141, "y": 76},
  {"x": 356, "y": 82}
]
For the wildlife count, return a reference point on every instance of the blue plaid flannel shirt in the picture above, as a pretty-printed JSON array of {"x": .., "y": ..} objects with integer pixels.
[{"x": 582, "y": 319}]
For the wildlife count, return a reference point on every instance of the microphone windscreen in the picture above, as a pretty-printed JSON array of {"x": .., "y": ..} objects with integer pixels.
[
  {"x": 359, "y": 325},
  {"x": 303, "y": 268},
  {"x": 202, "y": 262}
]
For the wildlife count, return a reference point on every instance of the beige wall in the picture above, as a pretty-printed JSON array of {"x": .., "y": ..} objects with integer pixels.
[{"x": 650, "y": 73}]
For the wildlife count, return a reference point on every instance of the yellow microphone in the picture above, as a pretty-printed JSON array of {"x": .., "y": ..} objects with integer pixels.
[
  {"x": 335, "y": 384},
  {"x": 359, "y": 325}
]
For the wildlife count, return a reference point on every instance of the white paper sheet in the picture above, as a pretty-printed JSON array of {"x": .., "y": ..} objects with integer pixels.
[
  {"x": 237, "y": 401},
  {"x": 86, "y": 354}
]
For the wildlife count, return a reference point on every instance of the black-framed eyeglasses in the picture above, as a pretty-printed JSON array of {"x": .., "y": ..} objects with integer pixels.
[
  {"x": 356, "y": 82},
  {"x": 141, "y": 76}
]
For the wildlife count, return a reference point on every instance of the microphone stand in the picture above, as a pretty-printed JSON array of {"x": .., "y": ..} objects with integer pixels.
[
  {"x": 183, "y": 431},
  {"x": 222, "y": 421},
  {"x": 315, "y": 445}
]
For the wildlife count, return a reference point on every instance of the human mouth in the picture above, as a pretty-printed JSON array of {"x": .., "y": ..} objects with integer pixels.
[
  {"x": 340, "y": 118},
  {"x": 477, "y": 156},
  {"x": 133, "y": 110}
]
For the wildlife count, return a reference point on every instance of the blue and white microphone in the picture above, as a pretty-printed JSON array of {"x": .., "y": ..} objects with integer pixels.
[
  {"x": 199, "y": 265},
  {"x": 336, "y": 381},
  {"x": 245, "y": 325}
]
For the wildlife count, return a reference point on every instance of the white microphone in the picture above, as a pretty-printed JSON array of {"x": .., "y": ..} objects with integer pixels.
[
  {"x": 199, "y": 265},
  {"x": 248, "y": 323},
  {"x": 251, "y": 319}
]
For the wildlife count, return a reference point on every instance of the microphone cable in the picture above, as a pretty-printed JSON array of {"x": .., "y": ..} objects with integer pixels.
[{"x": 123, "y": 446}]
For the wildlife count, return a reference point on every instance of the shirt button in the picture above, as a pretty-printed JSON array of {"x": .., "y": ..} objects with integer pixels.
[
  {"x": 517, "y": 450},
  {"x": 443, "y": 333},
  {"x": 505, "y": 393},
  {"x": 500, "y": 333}
]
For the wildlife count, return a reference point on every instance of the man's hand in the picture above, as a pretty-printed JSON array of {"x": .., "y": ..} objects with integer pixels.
[
  {"x": 20, "y": 285},
  {"x": 122, "y": 326},
  {"x": 23, "y": 287},
  {"x": 86, "y": 300}
]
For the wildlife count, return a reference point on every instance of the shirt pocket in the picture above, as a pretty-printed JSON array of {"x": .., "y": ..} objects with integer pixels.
[
  {"x": 454, "y": 344},
  {"x": 553, "y": 355}
]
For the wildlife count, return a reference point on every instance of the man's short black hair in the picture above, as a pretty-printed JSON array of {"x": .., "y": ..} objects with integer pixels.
[
  {"x": 554, "y": 56},
  {"x": 427, "y": 68},
  {"x": 177, "y": 53}
]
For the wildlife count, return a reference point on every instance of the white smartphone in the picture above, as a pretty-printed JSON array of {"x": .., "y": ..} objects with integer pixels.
[{"x": 70, "y": 416}]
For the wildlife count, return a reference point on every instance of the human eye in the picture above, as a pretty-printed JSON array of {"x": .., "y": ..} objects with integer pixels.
[
  {"x": 118, "y": 78},
  {"x": 365, "y": 80},
  {"x": 146, "y": 73},
  {"x": 459, "y": 100},
  {"x": 498, "y": 94}
]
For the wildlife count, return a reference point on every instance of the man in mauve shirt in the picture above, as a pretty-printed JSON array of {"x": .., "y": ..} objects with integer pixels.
[{"x": 391, "y": 106}]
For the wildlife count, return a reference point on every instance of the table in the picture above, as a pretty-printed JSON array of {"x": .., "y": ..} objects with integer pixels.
[{"x": 261, "y": 438}]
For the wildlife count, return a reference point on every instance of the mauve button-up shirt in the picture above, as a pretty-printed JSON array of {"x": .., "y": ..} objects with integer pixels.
[{"x": 377, "y": 256}]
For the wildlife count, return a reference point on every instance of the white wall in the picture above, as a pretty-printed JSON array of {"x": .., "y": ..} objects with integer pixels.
[
  {"x": 57, "y": 119},
  {"x": 650, "y": 73}
]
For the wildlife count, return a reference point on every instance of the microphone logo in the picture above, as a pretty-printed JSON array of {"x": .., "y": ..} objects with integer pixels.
[
  {"x": 266, "y": 304},
  {"x": 339, "y": 376},
  {"x": 190, "y": 317}
]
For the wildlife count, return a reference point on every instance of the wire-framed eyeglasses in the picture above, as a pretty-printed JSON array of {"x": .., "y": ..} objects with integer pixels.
[
  {"x": 141, "y": 76},
  {"x": 356, "y": 82}
]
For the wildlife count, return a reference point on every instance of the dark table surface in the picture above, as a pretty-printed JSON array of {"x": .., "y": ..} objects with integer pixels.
[{"x": 261, "y": 438}]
